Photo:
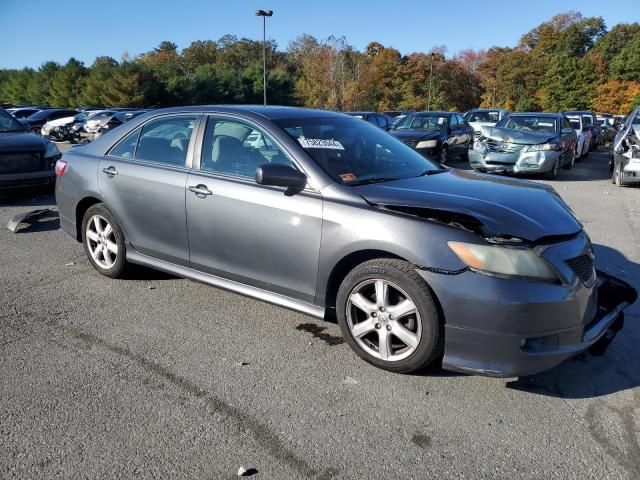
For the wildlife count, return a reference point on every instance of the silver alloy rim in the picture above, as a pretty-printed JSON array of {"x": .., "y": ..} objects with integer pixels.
[
  {"x": 383, "y": 320},
  {"x": 101, "y": 240}
]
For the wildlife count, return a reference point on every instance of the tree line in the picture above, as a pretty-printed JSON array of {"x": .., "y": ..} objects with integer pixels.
[{"x": 568, "y": 62}]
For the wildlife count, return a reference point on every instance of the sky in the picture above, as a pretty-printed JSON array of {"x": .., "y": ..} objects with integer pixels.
[{"x": 35, "y": 31}]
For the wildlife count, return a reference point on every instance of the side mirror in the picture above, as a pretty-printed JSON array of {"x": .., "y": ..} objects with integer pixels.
[
  {"x": 391, "y": 127},
  {"x": 279, "y": 175}
]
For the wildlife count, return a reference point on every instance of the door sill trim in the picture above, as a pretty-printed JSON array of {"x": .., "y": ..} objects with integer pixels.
[{"x": 136, "y": 257}]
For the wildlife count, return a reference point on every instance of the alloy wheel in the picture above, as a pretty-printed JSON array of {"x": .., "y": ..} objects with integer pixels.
[
  {"x": 101, "y": 241},
  {"x": 383, "y": 320}
]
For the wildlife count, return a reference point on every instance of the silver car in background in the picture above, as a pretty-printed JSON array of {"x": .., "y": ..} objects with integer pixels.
[
  {"x": 583, "y": 133},
  {"x": 626, "y": 151},
  {"x": 483, "y": 117},
  {"x": 331, "y": 216},
  {"x": 526, "y": 143}
]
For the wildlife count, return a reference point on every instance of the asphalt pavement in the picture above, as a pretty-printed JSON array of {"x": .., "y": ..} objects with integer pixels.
[{"x": 160, "y": 377}]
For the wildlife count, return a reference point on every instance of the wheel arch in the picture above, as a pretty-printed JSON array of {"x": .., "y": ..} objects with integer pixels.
[
  {"x": 342, "y": 268},
  {"x": 81, "y": 208}
]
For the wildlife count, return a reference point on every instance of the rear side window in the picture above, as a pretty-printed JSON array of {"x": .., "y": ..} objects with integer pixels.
[
  {"x": 166, "y": 140},
  {"x": 127, "y": 147}
]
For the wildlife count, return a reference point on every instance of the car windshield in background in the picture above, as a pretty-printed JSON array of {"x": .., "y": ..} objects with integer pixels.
[
  {"x": 355, "y": 152},
  {"x": 81, "y": 117},
  {"x": 530, "y": 123},
  {"x": 8, "y": 123},
  {"x": 489, "y": 117},
  {"x": 423, "y": 122},
  {"x": 575, "y": 123},
  {"x": 588, "y": 120}
]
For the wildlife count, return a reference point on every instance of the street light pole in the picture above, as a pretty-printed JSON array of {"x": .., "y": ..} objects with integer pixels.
[
  {"x": 430, "y": 79},
  {"x": 264, "y": 14}
]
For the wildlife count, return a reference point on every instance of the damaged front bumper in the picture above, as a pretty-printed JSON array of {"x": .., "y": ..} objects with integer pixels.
[
  {"x": 514, "y": 162},
  {"x": 511, "y": 328}
]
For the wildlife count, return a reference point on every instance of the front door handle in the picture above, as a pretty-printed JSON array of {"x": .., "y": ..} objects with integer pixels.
[
  {"x": 111, "y": 171},
  {"x": 200, "y": 190}
]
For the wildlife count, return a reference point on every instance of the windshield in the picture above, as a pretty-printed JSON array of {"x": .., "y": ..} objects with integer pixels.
[
  {"x": 353, "y": 152},
  {"x": 530, "y": 123},
  {"x": 588, "y": 120},
  {"x": 487, "y": 117},
  {"x": 8, "y": 123},
  {"x": 423, "y": 122},
  {"x": 81, "y": 117},
  {"x": 575, "y": 123}
]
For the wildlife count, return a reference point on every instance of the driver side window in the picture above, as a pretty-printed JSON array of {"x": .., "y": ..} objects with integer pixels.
[{"x": 235, "y": 148}]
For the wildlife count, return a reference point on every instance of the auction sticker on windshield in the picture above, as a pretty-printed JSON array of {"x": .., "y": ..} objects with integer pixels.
[{"x": 320, "y": 143}]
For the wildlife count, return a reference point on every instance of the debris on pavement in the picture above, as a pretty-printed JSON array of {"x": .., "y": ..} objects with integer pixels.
[
  {"x": 246, "y": 472},
  {"x": 26, "y": 218}
]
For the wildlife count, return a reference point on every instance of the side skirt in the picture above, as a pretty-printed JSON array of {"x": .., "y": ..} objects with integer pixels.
[{"x": 247, "y": 290}]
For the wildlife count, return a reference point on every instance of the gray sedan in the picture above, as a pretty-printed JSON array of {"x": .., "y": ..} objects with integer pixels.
[
  {"x": 526, "y": 143},
  {"x": 328, "y": 215}
]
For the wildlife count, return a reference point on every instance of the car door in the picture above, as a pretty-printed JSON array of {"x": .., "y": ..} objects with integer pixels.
[
  {"x": 466, "y": 134},
  {"x": 454, "y": 135},
  {"x": 143, "y": 181},
  {"x": 567, "y": 139},
  {"x": 257, "y": 235}
]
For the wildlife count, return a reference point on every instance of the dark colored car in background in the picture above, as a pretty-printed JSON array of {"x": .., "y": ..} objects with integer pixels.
[
  {"x": 25, "y": 159},
  {"x": 118, "y": 119},
  {"x": 323, "y": 212},
  {"x": 35, "y": 122},
  {"x": 378, "y": 119},
  {"x": 436, "y": 135},
  {"x": 526, "y": 143},
  {"x": 23, "y": 112}
]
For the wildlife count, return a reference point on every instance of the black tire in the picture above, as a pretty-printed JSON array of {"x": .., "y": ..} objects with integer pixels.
[
  {"x": 572, "y": 162},
  {"x": 553, "y": 173},
  {"x": 444, "y": 155},
  {"x": 618, "y": 179},
  {"x": 120, "y": 265},
  {"x": 465, "y": 155},
  {"x": 404, "y": 275}
]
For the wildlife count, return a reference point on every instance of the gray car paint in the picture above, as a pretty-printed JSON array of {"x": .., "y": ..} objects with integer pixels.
[{"x": 252, "y": 244}]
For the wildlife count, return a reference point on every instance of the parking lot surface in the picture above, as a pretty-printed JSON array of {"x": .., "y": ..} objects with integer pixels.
[{"x": 156, "y": 376}]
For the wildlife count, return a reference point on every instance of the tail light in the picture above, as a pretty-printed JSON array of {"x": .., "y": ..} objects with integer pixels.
[{"x": 61, "y": 167}]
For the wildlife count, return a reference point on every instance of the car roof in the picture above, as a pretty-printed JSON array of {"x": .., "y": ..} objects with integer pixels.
[
  {"x": 434, "y": 112},
  {"x": 270, "y": 112},
  {"x": 539, "y": 114}
]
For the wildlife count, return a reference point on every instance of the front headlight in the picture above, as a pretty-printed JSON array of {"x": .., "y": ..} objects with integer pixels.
[
  {"x": 515, "y": 262},
  {"x": 542, "y": 147},
  {"x": 51, "y": 150},
  {"x": 427, "y": 144}
]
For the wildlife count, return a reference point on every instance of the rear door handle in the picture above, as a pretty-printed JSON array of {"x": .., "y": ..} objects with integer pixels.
[
  {"x": 200, "y": 190},
  {"x": 111, "y": 171}
]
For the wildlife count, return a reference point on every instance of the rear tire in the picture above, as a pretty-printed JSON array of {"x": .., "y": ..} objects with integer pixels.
[
  {"x": 413, "y": 338},
  {"x": 103, "y": 241}
]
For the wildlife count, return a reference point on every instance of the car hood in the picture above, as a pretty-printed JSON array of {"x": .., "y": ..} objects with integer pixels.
[
  {"x": 517, "y": 136},
  {"x": 505, "y": 207},
  {"x": 411, "y": 134},
  {"x": 60, "y": 121},
  {"x": 20, "y": 142}
]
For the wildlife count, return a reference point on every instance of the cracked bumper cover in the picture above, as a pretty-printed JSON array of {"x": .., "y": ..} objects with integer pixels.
[{"x": 508, "y": 327}]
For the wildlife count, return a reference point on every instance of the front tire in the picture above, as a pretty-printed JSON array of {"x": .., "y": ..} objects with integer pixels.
[
  {"x": 103, "y": 241},
  {"x": 618, "y": 177},
  {"x": 553, "y": 173},
  {"x": 444, "y": 155},
  {"x": 388, "y": 316}
]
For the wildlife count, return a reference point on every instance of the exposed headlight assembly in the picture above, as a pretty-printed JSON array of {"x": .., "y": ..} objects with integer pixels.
[
  {"x": 51, "y": 150},
  {"x": 542, "y": 147},
  {"x": 513, "y": 262},
  {"x": 427, "y": 144}
]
